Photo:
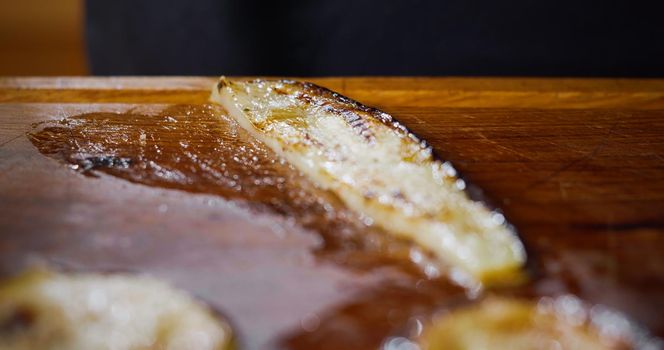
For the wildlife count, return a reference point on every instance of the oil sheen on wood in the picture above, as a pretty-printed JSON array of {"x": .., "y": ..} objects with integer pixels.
[{"x": 142, "y": 175}]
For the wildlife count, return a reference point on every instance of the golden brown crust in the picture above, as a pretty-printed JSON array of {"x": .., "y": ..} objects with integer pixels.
[{"x": 378, "y": 168}]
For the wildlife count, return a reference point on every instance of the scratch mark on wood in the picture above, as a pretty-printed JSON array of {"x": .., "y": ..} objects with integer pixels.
[
  {"x": 504, "y": 148},
  {"x": 10, "y": 140},
  {"x": 581, "y": 160}
]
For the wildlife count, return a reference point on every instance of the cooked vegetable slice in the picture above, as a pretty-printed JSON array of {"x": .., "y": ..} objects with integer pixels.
[
  {"x": 378, "y": 168},
  {"x": 47, "y": 310},
  {"x": 564, "y": 322}
]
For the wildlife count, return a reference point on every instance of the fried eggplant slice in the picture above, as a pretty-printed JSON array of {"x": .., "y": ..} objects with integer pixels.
[
  {"x": 42, "y": 309},
  {"x": 379, "y": 169},
  {"x": 563, "y": 322}
]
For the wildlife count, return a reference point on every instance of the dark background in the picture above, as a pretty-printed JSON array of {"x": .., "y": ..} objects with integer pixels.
[{"x": 360, "y": 37}]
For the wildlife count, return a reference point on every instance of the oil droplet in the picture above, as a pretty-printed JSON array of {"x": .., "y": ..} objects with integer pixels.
[
  {"x": 497, "y": 218},
  {"x": 310, "y": 322},
  {"x": 400, "y": 343}
]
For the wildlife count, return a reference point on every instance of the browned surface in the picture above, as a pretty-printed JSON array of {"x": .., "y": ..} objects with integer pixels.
[{"x": 577, "y": 166}]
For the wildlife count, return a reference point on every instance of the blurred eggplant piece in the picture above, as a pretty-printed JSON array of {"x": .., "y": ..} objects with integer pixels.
[
  {"x": 47, "y": 310},
  {"x": 564, "y": 322},
  {"x": 379, "y": 169}
]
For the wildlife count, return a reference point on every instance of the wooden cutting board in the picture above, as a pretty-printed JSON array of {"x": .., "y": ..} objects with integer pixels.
[{"x": 577, "y": 165}]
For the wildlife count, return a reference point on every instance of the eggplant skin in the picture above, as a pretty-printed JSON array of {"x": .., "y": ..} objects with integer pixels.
[{"x": 379, "y": 169}]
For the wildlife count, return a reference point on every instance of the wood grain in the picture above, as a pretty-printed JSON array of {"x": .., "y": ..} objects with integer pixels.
[
  {"x": 576, "y": 164},
  {"x": 379, "y": 92}
]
